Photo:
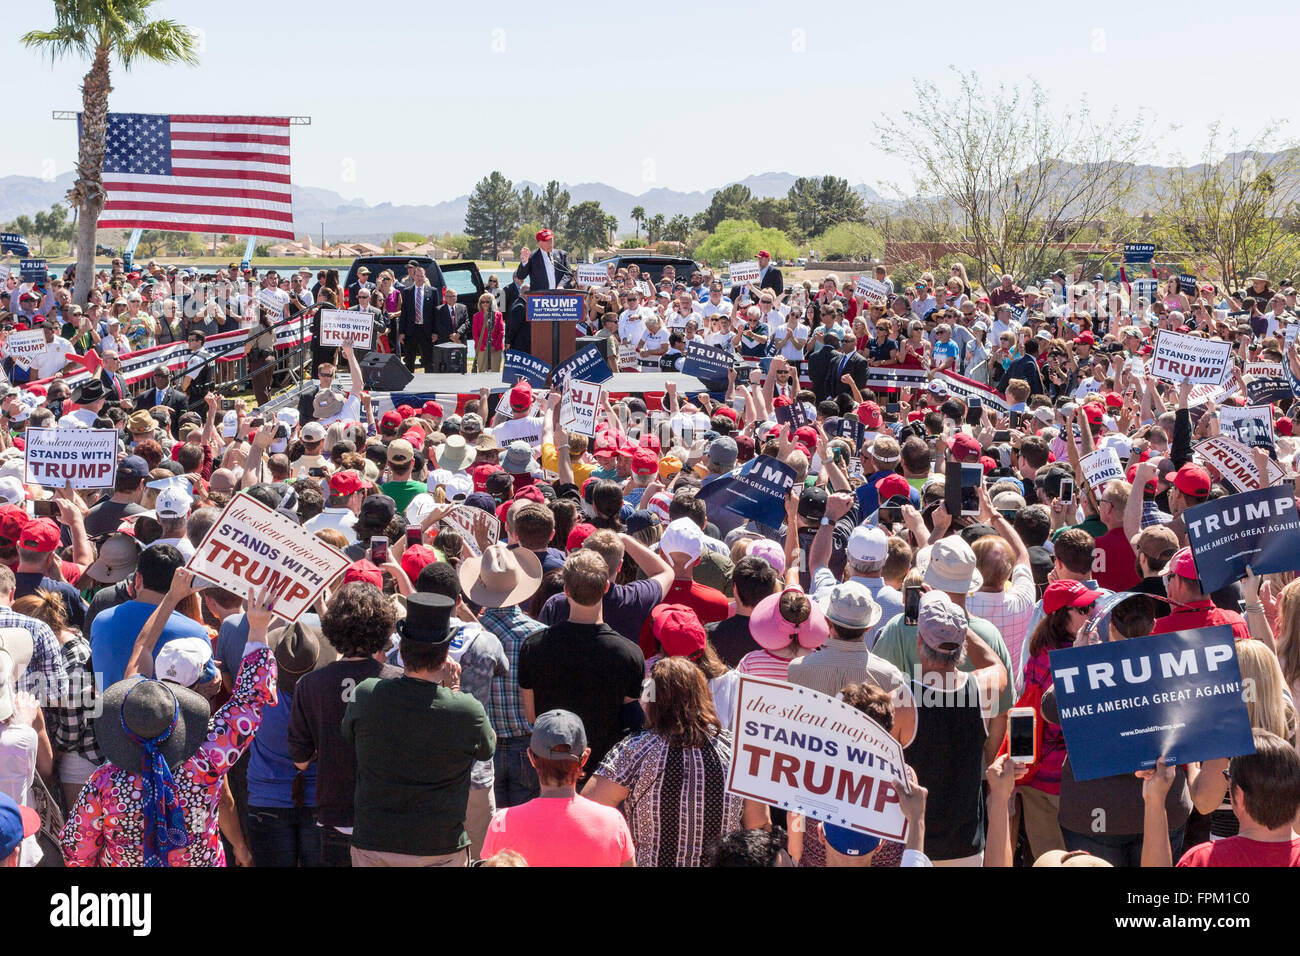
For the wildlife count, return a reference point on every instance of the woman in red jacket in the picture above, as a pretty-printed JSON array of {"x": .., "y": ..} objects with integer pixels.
[{"x": 489, "y": 335}]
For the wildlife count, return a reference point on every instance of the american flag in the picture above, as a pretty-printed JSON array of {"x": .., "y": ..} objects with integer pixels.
[{"x": 212, "y": 174}]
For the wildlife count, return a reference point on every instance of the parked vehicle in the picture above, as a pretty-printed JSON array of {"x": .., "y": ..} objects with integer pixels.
[
  {"x": 655, "y": 264},
  {"x": 464, "y": 277}
]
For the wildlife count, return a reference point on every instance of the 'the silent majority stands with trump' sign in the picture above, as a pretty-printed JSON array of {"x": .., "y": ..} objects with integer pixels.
[
  {"x": 251, "y": 547},
  {"x": 1178, "y": 358},
  {"x": 346, "y": 327},
  {"x": 807, "y": 753},
  {"x": 71, "y": 457}
]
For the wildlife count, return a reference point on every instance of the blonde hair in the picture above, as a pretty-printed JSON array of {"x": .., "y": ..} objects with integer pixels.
[
  {"x": 1262, "y": 680},
  {"x": 1288, "y": 632}
]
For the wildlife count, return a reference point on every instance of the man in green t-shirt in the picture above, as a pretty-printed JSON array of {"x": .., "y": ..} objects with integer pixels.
[
  {"x": 951, "y": 569},
  {"x": 400, "y": 487},
  {"x": 416, "y": 741}
]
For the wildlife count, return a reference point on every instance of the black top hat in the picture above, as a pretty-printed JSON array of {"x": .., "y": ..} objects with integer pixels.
[{"x": 428, "y": 617}]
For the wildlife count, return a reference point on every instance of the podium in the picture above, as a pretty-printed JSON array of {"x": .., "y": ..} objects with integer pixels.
[{"x": 553, "y": 331}]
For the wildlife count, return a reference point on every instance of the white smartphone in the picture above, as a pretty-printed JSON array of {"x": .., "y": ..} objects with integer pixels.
[{"x": 1021, "y": 739}]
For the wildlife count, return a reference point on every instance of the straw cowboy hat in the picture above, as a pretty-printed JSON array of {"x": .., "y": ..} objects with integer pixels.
[{"x": 501, "y": 576}]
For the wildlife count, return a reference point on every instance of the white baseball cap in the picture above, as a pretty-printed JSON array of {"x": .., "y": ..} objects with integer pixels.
[
  {"x": 173, "y": 503},
  {"x": 12, "y": 491},
  {"x": 868, "y": 545},
  {"x": 182, "y": 660},
  {"x": 682, "y": 536},
  {"x": 229, "y": 424}
]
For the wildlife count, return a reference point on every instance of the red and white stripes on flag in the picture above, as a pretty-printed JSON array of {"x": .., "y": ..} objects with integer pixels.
[{"x": 195, "y": 173}]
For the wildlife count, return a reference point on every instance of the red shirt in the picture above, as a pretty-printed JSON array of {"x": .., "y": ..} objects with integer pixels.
[
  {"x": 708, "y": 603},
  {"x": 1114, "y": 565},
  {"x": 1243, "y": 851},
  {"x": 1202, "y": 614}
]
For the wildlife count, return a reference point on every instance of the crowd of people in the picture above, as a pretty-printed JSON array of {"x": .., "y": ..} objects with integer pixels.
[{"x": 534, "y": 654}]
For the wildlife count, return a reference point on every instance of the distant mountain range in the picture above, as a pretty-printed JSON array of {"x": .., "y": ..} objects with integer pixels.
[{"x": 354, "y": 219}]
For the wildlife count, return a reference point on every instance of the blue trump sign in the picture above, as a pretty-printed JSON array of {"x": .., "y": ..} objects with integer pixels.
[
  {"x": 705, "y": 362},
  {"x": 33, "y": 270},
  {"x": 1139, "y": 252},
  {"x": 15, "y": 244},
  {"x": 516, "y": 365},
  {"x": 1125, "y": 704},
  {"x": 1256, "y": 528},
  {"x": 556, "y": 307},
  {"x": 589, "y": 365},
  {"x": 796, "y": 414},
  {"x": 756, "y": 491}
]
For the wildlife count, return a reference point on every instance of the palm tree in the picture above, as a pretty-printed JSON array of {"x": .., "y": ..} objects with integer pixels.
[
  {"x": 638, "y": 217},
  {"x": 99, "y": 30}
]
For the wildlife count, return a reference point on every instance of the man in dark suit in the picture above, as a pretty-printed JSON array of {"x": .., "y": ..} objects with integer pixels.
[
  {"x": 769, "y": 276},
  {"x": 415, "y": 324},
  {"x": 450, "y": 321},
  {"x": 361, "y": 302},
  {"x": 515, "y": 288},
  {"x": 849, "y": 361},
  {"x": 558, "y": 276},
  {"x": 517, "y": 325},
  {"x": 819, "y": 364},
  {"x": 111, "y": 375},
  {"x": 1025, "y": 368},
  {"x": 163, "y": 394},
  {"x": 362, "y": 282}
]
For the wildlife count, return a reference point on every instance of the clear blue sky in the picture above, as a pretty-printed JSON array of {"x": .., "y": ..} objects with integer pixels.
[{"x": 756, "y": 87}]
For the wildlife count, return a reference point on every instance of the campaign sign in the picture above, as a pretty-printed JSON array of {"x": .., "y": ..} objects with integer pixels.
[
  {"x": 1139, "y": 252},
  {"x": 272, "y": 304},
  {"x": 1252, "y": 425},
  {"x": 583, "y": 401},
  {"x": 516, "y": 365},
  {"x": 556, "y": 306},
  {"x": 589, "y": 365},
  {"x": 592, "y": 273},
  {"x": 852, "y": 428},
  {"x": 1187, "y": 284},
  {"x": 1266, "y": 382},
  {"x": 1255, "y": 528},
  {"x": 11, "y": 243},
  {"x": 1235, "y": 463},
  {"x": 71, "y": 457},
  {"x": 1125, "y": 704},
  {"x": 1146, "y": 289},
  {"x": 469, "y": 522},
  {"x": 756, "y": 490},
  {"x": 342, "y": 327},
  {"x": 33, "y": 270},
  {"x": 252, "y": 547},
  {"x": 705, "y": 362},
  {"x": 876, "y": 293},
  {"x": 743, "y": 273},
  {"x": 23, "y": 347},
  {"x": 1178, "y": 357},
  {"x": 1100, "y": 467},
  {"x": 808, "y": 753},
  {"x": 796, "y": 414}
]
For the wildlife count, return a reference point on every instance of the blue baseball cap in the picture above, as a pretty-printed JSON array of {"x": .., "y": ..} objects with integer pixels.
[
  {"x": 133, "y": 466},
  {"x": 16, "y": 824},
  {"x": 849, "y": 842}
]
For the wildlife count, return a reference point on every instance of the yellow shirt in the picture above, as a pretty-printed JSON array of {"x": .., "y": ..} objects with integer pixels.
[{"x": 551, "y": 462}]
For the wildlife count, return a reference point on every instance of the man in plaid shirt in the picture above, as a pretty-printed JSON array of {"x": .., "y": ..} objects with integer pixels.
[{"x": 46, "y": 675}]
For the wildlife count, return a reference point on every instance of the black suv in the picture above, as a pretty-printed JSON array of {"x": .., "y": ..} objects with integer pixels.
[
  {"x": 655, "y": 265},
  {"x": 464, "y": 277}
]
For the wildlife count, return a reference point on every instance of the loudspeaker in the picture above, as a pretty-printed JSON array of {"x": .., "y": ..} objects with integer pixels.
[
  {"x": 449, "y": 357},
  {"x": 384, "y": 372},
  {"x": 603, "y": 340}
]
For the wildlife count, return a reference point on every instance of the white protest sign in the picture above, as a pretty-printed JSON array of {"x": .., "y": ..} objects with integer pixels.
[
  {"x": 250, "y": 547},
  {"x": 466, "y": 520},
  {"x": 811, "y": 754},
  {"x": 628, "y": 357},
  {"x": 584, "y": 400},
  {"x": 1263, "y": 370},
  {"x": 1252, "y": 425},
  {"x": 1292, "y": 328},
  {"x": 71, "y": 457},
  {"x": 592, "y": 273},
  {"x": 1101, "y": 466},
  {"x": 743, "y": 273},
  {"x": 1178, "y": 357},
  {"x": 271, "y": 303},
  {"x": 342, "y": 327},
  {"x": 4, "y": 272},
  {"x": 24, "y": 346},
  {"x": 877, "y": 293},
  {"x": 1235, "y": 462},
  {"x": 1200, "y": 394}
]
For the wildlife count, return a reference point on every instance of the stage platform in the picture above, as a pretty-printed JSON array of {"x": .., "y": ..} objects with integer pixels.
[{"x": 621, "y": 382}]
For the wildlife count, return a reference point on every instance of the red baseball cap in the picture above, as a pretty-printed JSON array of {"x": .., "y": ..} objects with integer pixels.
[
  {"x": 12, "y": 520},
  {"x": 1085, "y": 338},
  {"x": 364, "y": 571},
  {"x": 544, "y": 235},
  {"x": 578, "y": 535},
  {"x": 1061, "y": 594},
  {"x": 415, "y": 436},
  {"x": 781, "y": 401},
  {"x": 652, "y": 441},
  {"x": 869, "y": 415},
  {"x": 893, "y": 486},
  {"x": 480, "y": 475},
  {"x": 965, "y": 448},
  {"x": 39, "y": 534},
  {"x": 415, "y": 558},
  {"x": 1093, "y": 412},
  {"x": 390, "y": 421},
  {"x": 406, "y": 411},
  {"x": 1190, "y": 480},
  {"x": 763, "y": 254},
  {"x": 806, "y": 435},
  {"x": 988, "y": 464},
  {"x": 678, "y": 628},
  {"x": 432, "y": 409},
  {"x": 726, "y": 411},
  {"x": 521, "y": 396},
  {"x": 1151, "y": 487},
  {"x": 917, "y": 416},
  {"x": 346, "y": 482},
  {"x": 1283, "y": 426},
  {"x": 1183, "y": 564},
  {"x": 645, "y": 462},
  {"x": 1113, "y": 401}
]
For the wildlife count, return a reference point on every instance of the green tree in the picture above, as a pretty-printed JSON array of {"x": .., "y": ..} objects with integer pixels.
[
  {"x": 526, "y": 235},
  {"x": 493, "y": 212},
  {"x": 611, "y": 227},
  {"x": 678, "y": 228},
  {"x": 818, "y": 204},
  {"x": 854, "y": 241},
  {"x": 586, "y": 227},
  {"x": 730, "y": 202},
  {"x": 100, "y": 30},
  {"x": 552, "y": 206},
  {"x": 151, "y": 242},
  {"x": 736, "y": 240},
  {"x": 638, "y": 217},
  {"x": 24, "y": 226},
  {"x": 407, "y": 237},
  {"x": 773, "y": 213},
  {"x": 654, "y": 229},
  {"x": 51, "y": 225},
  {"x": 527, "y": 204},
  {"x": 465, "y": 246}
]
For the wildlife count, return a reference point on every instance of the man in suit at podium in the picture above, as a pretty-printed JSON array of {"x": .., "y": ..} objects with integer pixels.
[
  {"x": 548, "y": 267},
  {"x": 415, "y": 322}
]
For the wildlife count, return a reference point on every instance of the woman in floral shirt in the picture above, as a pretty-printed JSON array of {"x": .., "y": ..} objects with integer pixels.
[{"x": 113, "y": 824}]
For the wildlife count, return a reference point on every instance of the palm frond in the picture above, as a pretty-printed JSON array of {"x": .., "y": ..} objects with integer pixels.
[
  {"x": 162, "y": 41},
  {"x": 59, "y": 42}
]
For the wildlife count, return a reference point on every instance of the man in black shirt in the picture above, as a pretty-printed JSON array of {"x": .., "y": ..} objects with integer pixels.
[
  {"x": 582, "y": 664},
  {"x": 128, "y": 488},
  {"x": 754, "y": 579}
]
